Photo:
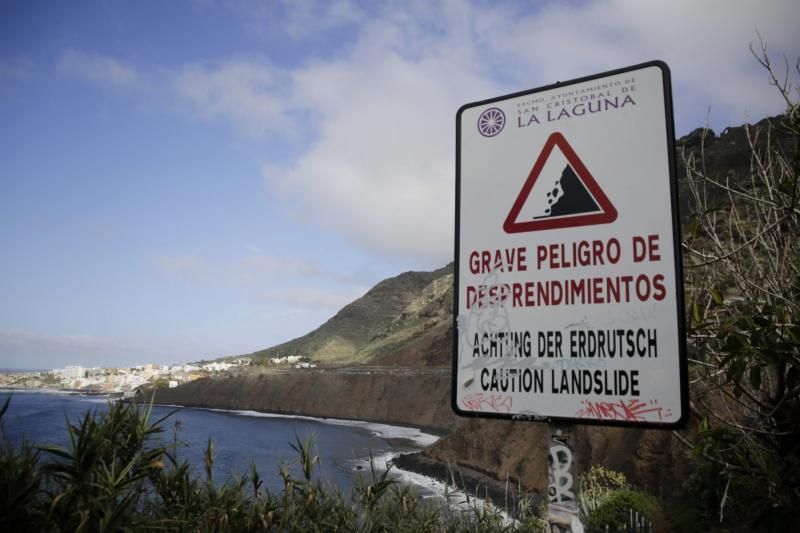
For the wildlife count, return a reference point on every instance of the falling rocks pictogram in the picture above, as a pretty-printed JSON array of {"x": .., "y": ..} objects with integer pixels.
[{"x": 569, "y": 196}]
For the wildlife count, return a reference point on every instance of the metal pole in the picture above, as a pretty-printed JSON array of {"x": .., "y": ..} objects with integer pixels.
[{"x": 562, "y": 474}]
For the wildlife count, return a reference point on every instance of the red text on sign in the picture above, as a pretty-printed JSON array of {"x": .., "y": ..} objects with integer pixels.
[
  {"x": 507, "y": 260},
  {"x": 645, "y": 249},
  {"x": 581, "y": 253}
]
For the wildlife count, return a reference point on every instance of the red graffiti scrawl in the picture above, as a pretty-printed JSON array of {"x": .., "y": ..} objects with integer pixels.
[
  {"x": 488, "y": 402},
  {"x": 631, "y": 410}
]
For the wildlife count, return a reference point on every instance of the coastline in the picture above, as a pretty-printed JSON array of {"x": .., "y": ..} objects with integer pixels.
[
  {"x": 40, "y": 390},
  {"x": 506, "y": 496},
  {"x": 433, "y": 431},
  {"x": 413, "y": 438},
  {"x": 402, "y": 438},
  {"x": 388, "y": 432},
  {"x": 461, "y": 487},
  {"x": 64, "y": 392}
]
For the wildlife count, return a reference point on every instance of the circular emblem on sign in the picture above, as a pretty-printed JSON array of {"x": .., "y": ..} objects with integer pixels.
[{"x": 491, "y": 122}]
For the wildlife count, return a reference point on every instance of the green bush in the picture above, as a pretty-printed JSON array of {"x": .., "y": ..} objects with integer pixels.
[
  {"x": 613, "y": 513},
  {"x": 606, "y": 501},
  {"x": 20, "y": 486}
]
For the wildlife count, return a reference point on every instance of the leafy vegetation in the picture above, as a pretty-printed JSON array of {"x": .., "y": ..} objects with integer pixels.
[
  {"x": 614, "y": 512},
  {"x": 117, "y": 475},
  {"x": 743, "y": 288},
  {"x": 607, "y": 499}
]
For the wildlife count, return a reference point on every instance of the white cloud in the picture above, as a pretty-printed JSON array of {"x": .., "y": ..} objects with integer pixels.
[
  {"x": 705, "y": 44},
  {"x": 377, "y": 163},
  {"x": 382, "y": 169},
  {"x": 246, "y": 93},
  {"x": 306, "y": 18},
  {"x": 296, "y": 20},
  {"x": 97, "y": 68}
]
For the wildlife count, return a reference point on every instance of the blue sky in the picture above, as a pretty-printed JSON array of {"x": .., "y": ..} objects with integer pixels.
[{"x": 192, "y": 179}]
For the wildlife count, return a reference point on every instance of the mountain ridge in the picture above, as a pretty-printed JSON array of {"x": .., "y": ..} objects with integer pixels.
[{"x": 381, "y": 321}]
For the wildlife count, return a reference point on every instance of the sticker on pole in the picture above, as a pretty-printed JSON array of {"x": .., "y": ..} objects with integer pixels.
[{"x": 568, "y": 298}]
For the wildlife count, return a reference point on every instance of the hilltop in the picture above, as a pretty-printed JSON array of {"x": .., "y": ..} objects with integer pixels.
[{"x": 392, "y": 315}]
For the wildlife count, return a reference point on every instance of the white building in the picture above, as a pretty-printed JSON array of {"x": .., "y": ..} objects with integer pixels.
[
  {"x": 291, "y": 359},
  {"x": 72, "y": 372},
  {"x": 216, "y": 367}
]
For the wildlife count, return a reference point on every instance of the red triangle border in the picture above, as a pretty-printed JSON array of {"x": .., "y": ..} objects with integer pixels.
[{"x": 608, "y": 214}]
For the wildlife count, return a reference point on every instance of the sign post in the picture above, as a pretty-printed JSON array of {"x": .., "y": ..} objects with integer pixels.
[
  {"x": 568, "y": 301},
  {"x": 562, "y": 479}
]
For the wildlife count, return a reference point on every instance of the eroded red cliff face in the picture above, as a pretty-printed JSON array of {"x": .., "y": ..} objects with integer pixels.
[{"x": 394, "y": 396}]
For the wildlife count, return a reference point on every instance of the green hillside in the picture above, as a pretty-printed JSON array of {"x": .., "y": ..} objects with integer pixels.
[{"x": 393, "y": 312}]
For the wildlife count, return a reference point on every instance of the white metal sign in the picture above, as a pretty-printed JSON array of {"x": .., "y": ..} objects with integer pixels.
[{"x": 569, "y": 292}]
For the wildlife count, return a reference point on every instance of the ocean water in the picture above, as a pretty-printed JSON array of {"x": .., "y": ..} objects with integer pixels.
[{"x": 239, "y": 438}]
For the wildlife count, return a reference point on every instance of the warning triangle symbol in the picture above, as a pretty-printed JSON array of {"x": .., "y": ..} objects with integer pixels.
[{"x": 560, "y": 192}]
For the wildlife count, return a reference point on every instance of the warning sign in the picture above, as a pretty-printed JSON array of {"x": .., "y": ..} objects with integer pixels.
[
  {"x": 572, "y": 199},
  {"x": 568, "y": 284}
]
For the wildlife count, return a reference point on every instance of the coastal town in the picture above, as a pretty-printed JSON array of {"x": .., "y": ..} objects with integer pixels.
[{"x": 126, "y": 380}]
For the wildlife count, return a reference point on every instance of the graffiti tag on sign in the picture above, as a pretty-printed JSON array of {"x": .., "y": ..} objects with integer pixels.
[
  {"x": 488, "y": 402},
  {"x": 627, "y": 410}
]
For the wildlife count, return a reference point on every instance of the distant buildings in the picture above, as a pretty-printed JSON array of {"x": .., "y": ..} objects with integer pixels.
[
  {"x": 71, "y": 372},
  {"x": 115, "y": 380},
  {"x": 290, "y": 359},
  {"x": 217, "y": 367},
  {"x": 297, "y": 360}
]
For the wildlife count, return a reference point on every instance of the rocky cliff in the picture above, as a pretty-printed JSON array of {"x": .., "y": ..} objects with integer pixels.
[
  {"x": 516, "y": 452},
  {"x": 395, "y": 396}
]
